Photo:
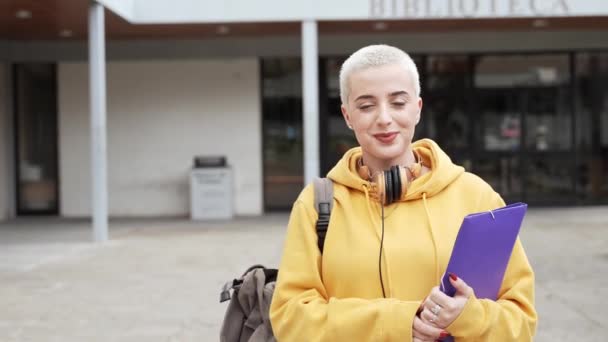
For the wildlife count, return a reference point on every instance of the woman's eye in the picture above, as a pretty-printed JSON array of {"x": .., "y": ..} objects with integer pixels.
[
  {"x": 365, "y": 107},
  {"x": 399, "y": 104}
]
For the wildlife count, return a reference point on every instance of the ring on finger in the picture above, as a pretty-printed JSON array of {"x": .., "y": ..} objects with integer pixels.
[{"x": 435, "y": 310}]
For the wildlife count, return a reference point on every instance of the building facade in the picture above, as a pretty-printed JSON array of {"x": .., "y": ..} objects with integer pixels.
[{"x": 515, "y": 91}]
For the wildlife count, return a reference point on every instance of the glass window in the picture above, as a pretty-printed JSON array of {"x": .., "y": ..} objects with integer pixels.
[
  {"x": 534, "y": 88},
  {"x": 592, "y": 100},
  {"x": 592, "y": 125},
  {"x": 37, "y": 155},
  {"x": 550, "y": 180},
  {"x": 548, "y": 115},
  {"x": 499, "y": 119},
  {"x": 502, "y": 173},
  {"x": 448, "y": 72},
  {"x": 445, "y": 113},
  {"x": 339, "y": 137},
  {"x": 592, "y": 179},
  {"x": 282, "y": 132},
  {"x": 511, "y": 71}
]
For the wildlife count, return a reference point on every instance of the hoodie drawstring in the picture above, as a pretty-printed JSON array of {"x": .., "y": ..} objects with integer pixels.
[
  {"x": 381, "y": 237},
  {"x": 428, "y": 216},
  {"x": 367, "y": 202}
]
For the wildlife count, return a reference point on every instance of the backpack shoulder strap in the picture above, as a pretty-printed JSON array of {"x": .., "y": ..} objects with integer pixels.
[{"x": 324, "y": 203}]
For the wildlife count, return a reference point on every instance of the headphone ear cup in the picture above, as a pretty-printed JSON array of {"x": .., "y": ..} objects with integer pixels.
[
  {"x": 396, "y": 184},
  {"x": 403, "y": 181},
  {"x": 388, "y": 193}
]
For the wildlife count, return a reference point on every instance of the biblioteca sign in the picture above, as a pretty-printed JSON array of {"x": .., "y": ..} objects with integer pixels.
[{"x": 429, "y": 9}]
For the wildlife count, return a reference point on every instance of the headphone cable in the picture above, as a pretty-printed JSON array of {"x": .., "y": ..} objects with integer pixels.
[{"x": 380, "y": 258}]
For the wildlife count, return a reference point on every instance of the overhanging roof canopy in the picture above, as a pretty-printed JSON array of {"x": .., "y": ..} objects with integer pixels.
[{"x": 24, "y": 20}]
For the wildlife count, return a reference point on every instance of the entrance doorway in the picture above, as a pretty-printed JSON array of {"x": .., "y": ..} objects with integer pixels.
[{"x": 36, "y": 151}]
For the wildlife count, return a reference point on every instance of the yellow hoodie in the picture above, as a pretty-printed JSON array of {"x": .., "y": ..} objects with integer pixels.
[{"x": 338, "y": 296}]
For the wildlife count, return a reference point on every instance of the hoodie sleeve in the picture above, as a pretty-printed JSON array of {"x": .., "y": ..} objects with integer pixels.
[
  {"x": 512, "y": 317},
  {"x": 301, "y": 309}
]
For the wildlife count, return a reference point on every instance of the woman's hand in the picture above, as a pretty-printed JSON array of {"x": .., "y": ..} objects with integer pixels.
[
  {"x": 423, "y": 332},
  {"x": 441, "y": 310}
]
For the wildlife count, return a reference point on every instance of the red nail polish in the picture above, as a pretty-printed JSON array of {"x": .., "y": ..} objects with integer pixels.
[
  {"x": 443, "y": 335},
  {"x": 453, "y": 276}
]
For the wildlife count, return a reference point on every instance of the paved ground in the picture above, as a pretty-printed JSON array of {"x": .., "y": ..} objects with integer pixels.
[{"x": 159, "y": 280}]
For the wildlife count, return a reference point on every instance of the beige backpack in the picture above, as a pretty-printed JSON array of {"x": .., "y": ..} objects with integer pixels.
[{"x": 246, "y": 318}]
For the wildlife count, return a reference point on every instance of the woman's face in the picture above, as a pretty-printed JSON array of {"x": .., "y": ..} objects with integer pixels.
[{"x": 383, "y": 111}]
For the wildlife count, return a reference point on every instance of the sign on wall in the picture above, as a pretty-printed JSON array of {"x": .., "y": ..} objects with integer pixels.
[
  {"x": 438, "y": 9},
  {"x": 216, "y": 11}
]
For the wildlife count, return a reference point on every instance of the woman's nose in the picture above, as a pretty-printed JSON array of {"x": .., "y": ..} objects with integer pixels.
[{"x": 384, "y": 115}]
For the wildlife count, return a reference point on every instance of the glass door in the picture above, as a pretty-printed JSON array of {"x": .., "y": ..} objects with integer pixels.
[
  {"x": 498, "y": 134},
  {"x": 37, "y": 175},
  {"x": 524, "y": 127}
]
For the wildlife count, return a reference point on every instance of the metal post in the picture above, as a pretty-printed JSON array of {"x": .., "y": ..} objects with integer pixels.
[
  {"x": 310, "y": 88},
  {"x": 97, "y": 79}
]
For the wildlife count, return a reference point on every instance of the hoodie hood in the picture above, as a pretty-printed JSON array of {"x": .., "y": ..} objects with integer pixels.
[{"x": 442, "y": 171}]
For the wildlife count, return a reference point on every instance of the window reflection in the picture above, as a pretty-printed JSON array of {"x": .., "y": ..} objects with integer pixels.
[
  {"x": 282, "y": 132},
  {"x": 549, "y": 180},
  {"x": 592, "y": 125},
  {"x": 339, "y": 137},
  {"x": 534, "y": 87},
  {"x": 36, "y": 132},
  {"x": 500, "y": 120},
  {"x": 445, "y": 102},
  {"x": 508, "y": 71},
  {"x": 548, "y": 119},
  {"x": 502, "y": 173}
]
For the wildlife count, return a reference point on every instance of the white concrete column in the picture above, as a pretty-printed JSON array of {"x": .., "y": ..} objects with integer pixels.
[
  {"x": 310, "y": 89},
  {"x": 97, "y": 79}
]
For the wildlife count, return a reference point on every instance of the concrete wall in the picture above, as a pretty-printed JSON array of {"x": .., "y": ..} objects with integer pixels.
[{"x": 161, "y": 114}]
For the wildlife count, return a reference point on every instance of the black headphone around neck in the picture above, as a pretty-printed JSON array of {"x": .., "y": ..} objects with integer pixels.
[{"x": 388, "y": 186}]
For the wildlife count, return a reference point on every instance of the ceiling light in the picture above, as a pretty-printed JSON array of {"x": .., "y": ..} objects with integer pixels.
[
  {"x": 380, "y": 26},
  {"x": 540, "y": 23},
  {"x": 223, "y": 29},
  {"x": 66, "y": 33},
  {"x": 23, "y": 14}
]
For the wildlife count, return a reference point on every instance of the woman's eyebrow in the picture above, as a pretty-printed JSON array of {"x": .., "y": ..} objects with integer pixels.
[
  {"x": 365, "y": 97},
  {"x": 397, "y": 93}
]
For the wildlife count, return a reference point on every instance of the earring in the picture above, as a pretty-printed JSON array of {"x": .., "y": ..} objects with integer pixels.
[
  {"x": 350, "y": 127},
  {"x": 416, "y": 168}
]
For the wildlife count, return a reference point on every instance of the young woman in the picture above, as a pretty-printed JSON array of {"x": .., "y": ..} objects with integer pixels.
[{"x": 385, "y": 251}]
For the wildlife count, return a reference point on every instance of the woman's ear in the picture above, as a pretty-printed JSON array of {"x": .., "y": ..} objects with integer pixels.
[
  {"x": 346, "y": 116},
  {"x": 419, "y": 110}
]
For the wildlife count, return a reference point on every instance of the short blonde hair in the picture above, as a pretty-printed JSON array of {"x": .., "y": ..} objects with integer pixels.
[{"x": 376, "y": 56}]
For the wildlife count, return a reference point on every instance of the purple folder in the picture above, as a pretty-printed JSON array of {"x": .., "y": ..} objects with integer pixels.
[{"x": 483, "y": 248}]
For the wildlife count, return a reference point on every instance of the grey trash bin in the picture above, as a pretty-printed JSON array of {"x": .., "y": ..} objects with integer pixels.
[{"x": 211, "y": 189}]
